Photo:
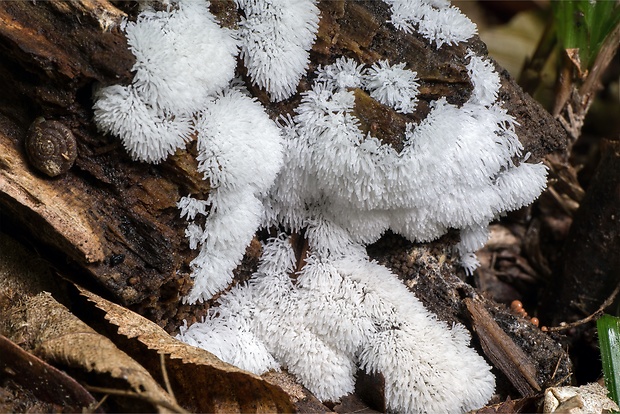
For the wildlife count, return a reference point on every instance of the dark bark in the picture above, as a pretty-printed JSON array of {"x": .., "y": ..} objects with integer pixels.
[{"x": 115, "y": 220}]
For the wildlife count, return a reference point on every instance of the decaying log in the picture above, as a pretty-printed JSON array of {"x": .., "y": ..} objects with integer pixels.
[{"x": 114, "y": 220}]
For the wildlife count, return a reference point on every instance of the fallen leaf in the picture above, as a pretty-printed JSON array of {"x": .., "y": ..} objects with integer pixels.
[
  {"x": 33, "y": 319},
  {"x": 200, "y": 381},
  {"x": 590, "y": 398},
  {"x": 60, "y": 338},
  {"x": 41, "y": 379}
]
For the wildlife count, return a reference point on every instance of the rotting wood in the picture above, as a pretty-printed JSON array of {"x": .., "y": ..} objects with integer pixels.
[
  {"x": 502, "y": 351},
  {"x": 115, "y": 220}
]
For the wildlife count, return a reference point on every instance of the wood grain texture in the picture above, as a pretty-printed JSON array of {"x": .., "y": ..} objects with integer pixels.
[{"x": 502, "y": 351}]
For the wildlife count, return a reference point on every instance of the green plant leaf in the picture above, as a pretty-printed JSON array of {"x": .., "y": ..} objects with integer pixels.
[
  {"x": 609, "y": 342},
  {"x": 584, "y": 24}
]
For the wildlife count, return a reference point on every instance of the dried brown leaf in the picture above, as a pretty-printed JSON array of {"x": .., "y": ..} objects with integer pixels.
[
  {"x": 43, "y": 380},
  {"x": 201, "y": 382},
  {"x": 59, "y": 337}
]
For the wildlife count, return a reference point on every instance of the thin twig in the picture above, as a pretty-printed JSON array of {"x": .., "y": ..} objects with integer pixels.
[
  {"x": 164, "y": 374},
  {"x": 300, "y": 246},
  {"x": 582, "y": 96},
  {"x": 563, "y": 379},
  {"x": 531, "y": 73},
  {"x": 560, "y": 201},
  {"x": 587, "y": 319},
  {"x": 131, "y": 394},
  {"x": 99, "y": 404},
  {"x": 557, "y": 366}
]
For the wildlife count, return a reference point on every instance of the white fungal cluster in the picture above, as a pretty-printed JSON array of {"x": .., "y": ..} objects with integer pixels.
[
  {"x": 240, "y": 154},
  {"x": 436, "y": 20},
  {"x": 381, "y": 327},
  {"x": 182, "y": 88},
  {"x": 316, "y": 173},
  {"x": 276, "y": 39},
  {"x": 174, "y": 77},
  {"x": 456, "y": 169},
  {"x": 394, "y": 86}
]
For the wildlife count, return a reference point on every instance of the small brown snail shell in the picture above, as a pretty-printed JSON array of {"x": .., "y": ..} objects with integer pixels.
[{"x": 50, "y": 147}]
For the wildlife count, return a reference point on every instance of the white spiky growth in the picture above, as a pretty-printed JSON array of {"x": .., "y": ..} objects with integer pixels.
[
  {"x": 182, "y": 57},
  {"x": 350, "y": 188},
  {"x": 185, "y": 63},
  {"x": 445, "y": 177},
  {"x": 436, "y": 20},
  {"x": 428, "y": 365},
  {"x": 394, "y": 86},
  {"x": 318, "y": 174},
  {"x": 240, "y": 154},
  {"x": 276, "y": 37},
  {"x": 148, "y": 134}
]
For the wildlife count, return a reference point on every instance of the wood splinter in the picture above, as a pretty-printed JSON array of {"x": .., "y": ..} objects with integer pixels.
[{"x": 502, "y": 351}]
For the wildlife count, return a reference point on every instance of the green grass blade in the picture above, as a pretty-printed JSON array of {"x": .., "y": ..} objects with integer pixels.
[
  {"x": 584, "y": 25},
  {"x": 609, "y": 342},
  {"x": 602, "y": 17},
  {"x": 563, "y": 12}
]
